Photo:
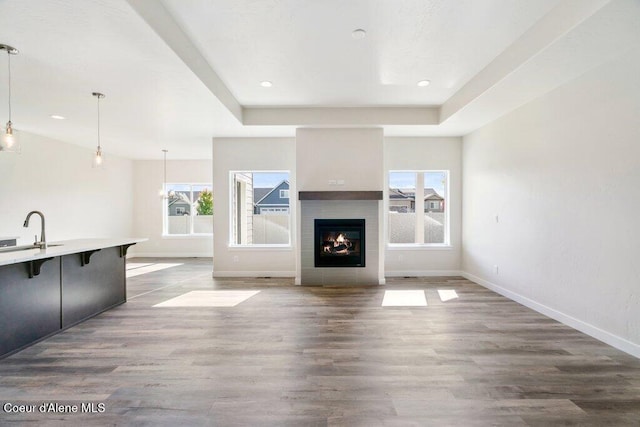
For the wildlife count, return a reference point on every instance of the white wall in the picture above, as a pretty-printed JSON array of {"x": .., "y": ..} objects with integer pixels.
[
  {"x": 351, "y": 155},
  {"x": 258, "y": 154},
  {"x": 57, "y": 178},
  {"x": 425, "y": 154},
  {"x": 148, "y": 207},
  {"x": 562, "y": 174}
]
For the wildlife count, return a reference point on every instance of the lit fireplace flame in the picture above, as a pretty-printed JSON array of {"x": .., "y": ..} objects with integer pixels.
[{"x": 337, "y": 245}]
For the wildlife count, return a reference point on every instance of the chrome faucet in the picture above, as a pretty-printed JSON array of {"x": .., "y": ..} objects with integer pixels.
[{"x": 42, "y": 244}]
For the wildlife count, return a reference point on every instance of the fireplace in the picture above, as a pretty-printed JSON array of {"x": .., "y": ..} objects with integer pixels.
[{"x": 339, "y": 243}]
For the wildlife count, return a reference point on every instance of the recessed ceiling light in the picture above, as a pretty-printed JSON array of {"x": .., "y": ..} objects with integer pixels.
[
  {"x": 359, "y": 34},
  {"x": 424, "y": 83},
  {"x": 266, "y": 83},
  {"x": 57, "y": 117}
]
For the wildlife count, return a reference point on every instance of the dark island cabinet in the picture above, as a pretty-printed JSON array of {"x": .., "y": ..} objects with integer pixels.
[
  {"x": 29, "y": 307},
  {"x": 58, "y": 287},
  {"x": 92, "y": 282}
]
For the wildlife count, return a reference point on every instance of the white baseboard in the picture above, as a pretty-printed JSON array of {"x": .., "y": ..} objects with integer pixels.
[
  {"x": 171, "y": 255},
  {"x": 254, "y": 274},
  {"x": 422, "y": 273},
  {"x": 587, "y": 328}
]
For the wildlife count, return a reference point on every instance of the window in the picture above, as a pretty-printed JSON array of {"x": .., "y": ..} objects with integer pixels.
[
  {"x": 418, "y": 207},
  {"x": 188, "y": 209},
  {"x": 260, "y": 211}
]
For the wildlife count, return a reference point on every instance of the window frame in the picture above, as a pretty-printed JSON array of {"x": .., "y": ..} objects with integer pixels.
[
  {"x": 192, "y": 210},
  {"x": 231, "y": 244},
  {"x": 446, "y": 245}
]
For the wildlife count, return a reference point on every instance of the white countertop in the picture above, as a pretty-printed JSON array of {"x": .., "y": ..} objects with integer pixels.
[{"x": 65, "y": 247}]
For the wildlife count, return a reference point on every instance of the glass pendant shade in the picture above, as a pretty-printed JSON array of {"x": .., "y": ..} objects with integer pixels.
[
  {"x": 98, "y": 158},
  {"x": 10, "y": 141}
]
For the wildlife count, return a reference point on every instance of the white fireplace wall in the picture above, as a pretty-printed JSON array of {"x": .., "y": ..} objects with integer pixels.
[
  {"x": 340, "y": 209},
  {"x": 342, "y": 160},
  {"x": 339, "y": 159}
]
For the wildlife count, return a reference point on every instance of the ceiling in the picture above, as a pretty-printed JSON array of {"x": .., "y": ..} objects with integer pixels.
[{"x": 178, "y": 72}]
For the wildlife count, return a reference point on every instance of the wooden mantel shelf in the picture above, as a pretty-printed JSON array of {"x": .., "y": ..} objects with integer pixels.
[{"x": 340, "y": 195}]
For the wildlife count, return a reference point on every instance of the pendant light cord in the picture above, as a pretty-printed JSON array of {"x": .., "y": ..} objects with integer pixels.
[
  {"x": 98, "y": 122},
  {"x": 9, "y": 66}
]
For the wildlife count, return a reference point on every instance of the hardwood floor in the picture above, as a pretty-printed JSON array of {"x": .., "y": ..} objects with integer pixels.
[{"x": 320, "y": 356}]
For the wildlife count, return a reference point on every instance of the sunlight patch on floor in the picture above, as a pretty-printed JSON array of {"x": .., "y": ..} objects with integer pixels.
[
  {"x": 209, "y": 299},
  {"x": 447, "y": 294},
  {"x": 404, "y": 299},
  {"x": 136, "y": 269}
]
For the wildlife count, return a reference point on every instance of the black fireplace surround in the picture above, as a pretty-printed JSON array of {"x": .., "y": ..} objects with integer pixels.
[{"x": 339, "y": 243}]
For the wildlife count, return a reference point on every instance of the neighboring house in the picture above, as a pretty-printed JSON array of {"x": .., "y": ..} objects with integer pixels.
[
  {"x": 179, "y": 207},
  {"x": 180, "y": 204},
  {"x": 398, "y": 199},
  {"x": 274, "y": 201},
  {"x": 433, "y": 202}
]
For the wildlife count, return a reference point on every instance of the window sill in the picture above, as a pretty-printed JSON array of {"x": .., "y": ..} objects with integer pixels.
[{"x": 418, "y": 247}]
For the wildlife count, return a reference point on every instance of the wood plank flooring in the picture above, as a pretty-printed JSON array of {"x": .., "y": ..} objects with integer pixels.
[{"x": 321, "y": 356}]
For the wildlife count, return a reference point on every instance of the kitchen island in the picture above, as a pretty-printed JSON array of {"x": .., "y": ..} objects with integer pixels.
[{"x": 44, "y": 291}]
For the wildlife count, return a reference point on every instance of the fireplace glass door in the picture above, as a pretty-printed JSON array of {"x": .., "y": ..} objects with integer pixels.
[{"x": 339, "y": 243}]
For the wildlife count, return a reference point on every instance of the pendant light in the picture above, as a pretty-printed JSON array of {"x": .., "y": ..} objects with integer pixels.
[
  {"x": 98, "y": 157},
  {"x": 9, "y": 142}
]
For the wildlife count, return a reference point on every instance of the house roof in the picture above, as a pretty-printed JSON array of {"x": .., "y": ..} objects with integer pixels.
[
  {"x": 429, "y": 193},
  {"x": 395, "y": 193},
  {"x": 260, "y": 192},
  {"x": 271, "y": 191},
  {"x": 182, "y": 198}
]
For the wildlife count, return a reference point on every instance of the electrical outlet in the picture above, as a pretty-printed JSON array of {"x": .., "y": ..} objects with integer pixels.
[
  {"x": 332, "y": 182},
  {"x": 236, "y": 258},
  {"x": 341, "y": 182}
]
